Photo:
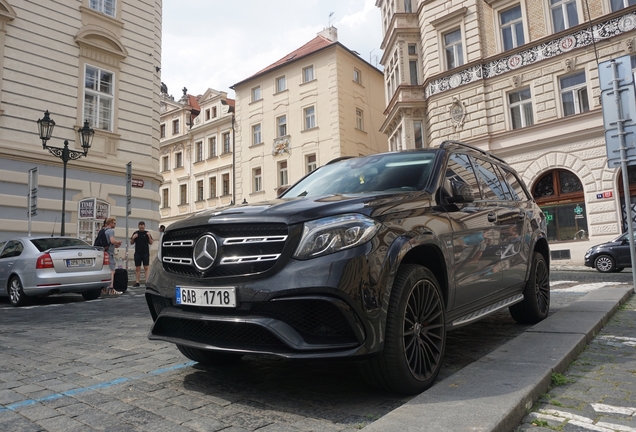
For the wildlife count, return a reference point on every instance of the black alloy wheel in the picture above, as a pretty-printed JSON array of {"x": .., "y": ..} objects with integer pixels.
[{"x": 535, "y": 305}]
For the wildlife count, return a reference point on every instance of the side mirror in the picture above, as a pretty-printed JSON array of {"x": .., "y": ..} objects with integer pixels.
[{"x": 462, "y": 193}]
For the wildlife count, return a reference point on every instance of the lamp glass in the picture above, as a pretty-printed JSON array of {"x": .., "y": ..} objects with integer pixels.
[
  {"x": 46, "y": 125},
  {"x": 86, "y": 133}
]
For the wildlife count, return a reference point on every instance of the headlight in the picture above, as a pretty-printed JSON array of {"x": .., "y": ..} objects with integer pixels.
[{"x": 333, "y": 234}]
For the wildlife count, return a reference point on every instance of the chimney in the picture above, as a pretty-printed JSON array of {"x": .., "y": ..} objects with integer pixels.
[{"x": 330, "y": 33}]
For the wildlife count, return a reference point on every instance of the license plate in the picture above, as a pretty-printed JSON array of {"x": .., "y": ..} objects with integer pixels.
[
  {"x": 219, "y": 297},
  {"x": 84, "y": 262}
]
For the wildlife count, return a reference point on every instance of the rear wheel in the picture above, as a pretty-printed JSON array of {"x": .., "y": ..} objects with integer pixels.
[
  {"x": 536, "y": 295},
  {"x": 619, "y": 269},
  {"x": 211, "y": 358},
  {"x": 604, "y": 264},
  {"x": 92, "y": 294},
  {"x": 415, "y": 334},
  {"x": 16, "y": 293}
]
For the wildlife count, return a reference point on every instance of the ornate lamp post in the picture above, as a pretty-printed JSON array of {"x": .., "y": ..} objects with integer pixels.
[{"x": 45, "y": 126}]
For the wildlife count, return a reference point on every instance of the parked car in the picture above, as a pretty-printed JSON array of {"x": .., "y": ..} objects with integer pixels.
[
  {"x": 371, "y": 258},
  {"x": 611, "y": 256},
  {"x": 43, "y": 266}
]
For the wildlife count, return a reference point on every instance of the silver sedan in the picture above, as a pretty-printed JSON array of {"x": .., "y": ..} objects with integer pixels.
[{"x": 43, "y": 266}]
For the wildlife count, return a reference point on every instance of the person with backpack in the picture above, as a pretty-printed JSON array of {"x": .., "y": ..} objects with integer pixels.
[{"x": 113, "y": 243}]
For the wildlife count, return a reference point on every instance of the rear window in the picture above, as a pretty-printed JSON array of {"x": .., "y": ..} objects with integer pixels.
[{"x": 56, "y": 242}]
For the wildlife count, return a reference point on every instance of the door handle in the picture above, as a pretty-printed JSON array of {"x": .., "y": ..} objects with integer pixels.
[
  {"x": 522, "y": 215},
  {"x": 492, "y": 217}
]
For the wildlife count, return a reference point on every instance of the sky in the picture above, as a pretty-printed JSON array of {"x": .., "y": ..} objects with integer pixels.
[{"x": 218, "y": 43}]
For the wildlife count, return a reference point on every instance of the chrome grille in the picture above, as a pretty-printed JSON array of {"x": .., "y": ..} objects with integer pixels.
[{"x": 243, "y": 249}]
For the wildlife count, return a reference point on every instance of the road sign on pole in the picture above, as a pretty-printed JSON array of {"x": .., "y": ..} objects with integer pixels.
[
  {"x": 128, "y": 202},
  {"x": 32, "y": 209}
]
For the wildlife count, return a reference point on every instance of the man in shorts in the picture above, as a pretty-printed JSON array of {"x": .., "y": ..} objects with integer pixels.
[{"x": 142, "y": 240}]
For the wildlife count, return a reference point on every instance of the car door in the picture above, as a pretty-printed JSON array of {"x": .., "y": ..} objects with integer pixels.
[
  {"x": 475, "y": 235},
  {"x": 8, "y": 257},
  {"x": 623, "y": 257}
]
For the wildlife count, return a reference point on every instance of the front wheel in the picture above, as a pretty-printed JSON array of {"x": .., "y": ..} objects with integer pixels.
[
  {"x": 604, "y": 264},
  {"x": 536, "y": 295},
  {"x": 415, "y": 336},
  {"x": 209, "y": 358},
  {"x": 16, "y": 293}
]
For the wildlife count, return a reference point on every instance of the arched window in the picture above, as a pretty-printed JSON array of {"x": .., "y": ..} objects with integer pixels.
[
  {"x": 631, "y": 176},
  {"x": 559, "y": 193}
]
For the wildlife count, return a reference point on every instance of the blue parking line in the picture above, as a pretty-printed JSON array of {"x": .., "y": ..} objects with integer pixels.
[{"x": 99, "y": 386}]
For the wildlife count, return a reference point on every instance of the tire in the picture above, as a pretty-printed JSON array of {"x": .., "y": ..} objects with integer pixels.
[
  {"x": 415, "y": 337},
  {"x": 209, "y": 358},
  {"x": 16, "y": 293},
  {"x": 536, "y": 295},
  {"x": 92, "y": 294},
  {"x": 619, "y": 269},
  {"x": 604, "y": 264}
]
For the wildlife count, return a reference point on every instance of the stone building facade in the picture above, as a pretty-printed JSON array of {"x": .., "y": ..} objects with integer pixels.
[
  {"x": 81, "y": 60},
  {"x": 518, "y": 78}
]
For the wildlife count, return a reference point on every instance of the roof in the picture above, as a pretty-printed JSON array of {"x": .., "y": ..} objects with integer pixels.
[{"x": 316, "y": 44}]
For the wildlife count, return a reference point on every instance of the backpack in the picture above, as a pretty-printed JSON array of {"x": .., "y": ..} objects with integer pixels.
[{"x": 101, "y": 240}]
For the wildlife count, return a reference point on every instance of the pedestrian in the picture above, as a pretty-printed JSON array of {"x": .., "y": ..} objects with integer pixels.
[
  {"x": 162, "y": 228},
  {"x": 142, "y": 240},
  {"x": 109, "y": 224}
]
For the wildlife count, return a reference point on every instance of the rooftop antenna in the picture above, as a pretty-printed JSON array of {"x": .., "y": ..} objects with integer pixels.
[{"x": 330, "y": 15}]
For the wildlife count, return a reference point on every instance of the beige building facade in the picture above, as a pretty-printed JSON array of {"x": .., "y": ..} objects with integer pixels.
[
  {"x": 82, "y": 60},
  {"x": 518, "y": 78},
  {"x": 318, "y": 103},
  {"x": 197, "y": 153}
]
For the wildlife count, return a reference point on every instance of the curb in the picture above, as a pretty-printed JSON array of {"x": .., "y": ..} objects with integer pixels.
[{"x": 495, "y": 392}]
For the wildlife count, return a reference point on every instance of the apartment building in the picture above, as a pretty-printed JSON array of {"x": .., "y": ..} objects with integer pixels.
[
  {"x": 197, "y": 153},
  {"x": 319, "y": 102},
  {"x": 518, "y": 78},
  {"x": 80, "y": 60}
]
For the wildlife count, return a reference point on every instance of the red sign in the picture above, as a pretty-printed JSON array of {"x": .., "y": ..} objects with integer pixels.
[
  {"x": 137, "y": 183},
  {"x": 607, "y": 194}
]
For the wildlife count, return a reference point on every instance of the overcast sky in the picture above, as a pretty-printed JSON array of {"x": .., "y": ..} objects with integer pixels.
[{"x": 218, "y": 43}]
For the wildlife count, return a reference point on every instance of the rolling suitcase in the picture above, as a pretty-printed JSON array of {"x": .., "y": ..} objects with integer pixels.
[{"x": 120, "y": 281}]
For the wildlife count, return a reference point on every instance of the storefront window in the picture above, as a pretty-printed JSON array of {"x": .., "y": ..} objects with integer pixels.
[{"x": 559, "y": 193}]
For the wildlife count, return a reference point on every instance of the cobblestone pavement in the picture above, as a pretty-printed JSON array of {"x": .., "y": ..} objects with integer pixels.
[
  {"x": 598, "y": 390},
  {"x": 73, "y": 365}
]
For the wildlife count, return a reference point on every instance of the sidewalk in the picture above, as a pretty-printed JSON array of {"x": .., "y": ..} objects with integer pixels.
[{"x": 497, "y": 391}]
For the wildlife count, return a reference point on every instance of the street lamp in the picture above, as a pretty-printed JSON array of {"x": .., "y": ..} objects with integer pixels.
[
  {"x": 233, "y": 111},
  {"x": 45, "y": 126}
]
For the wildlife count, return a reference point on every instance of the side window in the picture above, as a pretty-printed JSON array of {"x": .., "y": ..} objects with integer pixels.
[
  {"x": 518, "y": 193},
  {"x": 489, "y": 181},
  {"x": 458, "y": 171},
  {"x": 13, "y": 249}
]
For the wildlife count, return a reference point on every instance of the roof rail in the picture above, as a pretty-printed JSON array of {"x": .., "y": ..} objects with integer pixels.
[{"x": 446, "y": 143}]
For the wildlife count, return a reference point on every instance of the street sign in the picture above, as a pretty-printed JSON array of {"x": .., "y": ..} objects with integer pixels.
[
  {"x": 128, "y": 187},
  {"x": 33, "y": 192},
  {"x": 606, "y": 75},
  {"x": 138, "y": 183}
]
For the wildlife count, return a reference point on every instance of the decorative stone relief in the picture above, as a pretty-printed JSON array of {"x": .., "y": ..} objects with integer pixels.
[
  {"x": 457, "y": 112},
  {"x": 281, "y": 145},
  {"x": 629, "y": 45}
]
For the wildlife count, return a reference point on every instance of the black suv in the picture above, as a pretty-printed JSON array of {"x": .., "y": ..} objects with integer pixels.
[{"x": 373, "y": 258}]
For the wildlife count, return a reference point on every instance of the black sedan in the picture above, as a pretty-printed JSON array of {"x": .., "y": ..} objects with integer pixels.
[{"x": 610, "y": 257}]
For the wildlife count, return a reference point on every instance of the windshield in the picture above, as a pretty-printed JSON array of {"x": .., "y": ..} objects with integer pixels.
[
  {"x": 389, "y": 172},
  {"x": 56, "y": 242}
]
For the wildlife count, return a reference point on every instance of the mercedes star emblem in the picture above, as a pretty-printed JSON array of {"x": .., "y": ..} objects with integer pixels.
[{"x": 204, "y": 253}]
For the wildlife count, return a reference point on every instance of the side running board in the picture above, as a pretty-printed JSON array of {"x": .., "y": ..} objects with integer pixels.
[{"x": 474, "y": 316}]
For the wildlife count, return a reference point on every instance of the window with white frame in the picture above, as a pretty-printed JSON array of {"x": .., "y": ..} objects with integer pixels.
[
  {"x": 282, "y": 174},
  {"x": 257, "y": 180},
  {"x": 175, "y": 127},
  {"x": 225, "y": 178},
  {"x": 392, "y": 75},
  {"x": 256, "y": 93},
  {"x": 308, "y": 73},
  {"x": 213, "y": 187},
  {"x": 413, "y": 71},
  {"x": 564, "y": 14},
  {"x": 281, "y": 84},
  {"x": 574, "y": 94},
  {"x": 621, "y": 4},
  {"x": 178, "y": 160},
  {"x": 453, "y": 48},
  {"x": 281, "y": 125},
  {"x": 198, "y": 149},
  {"x": 395, "y": 141},
  {"x": 310, "y": 117},
  {"x": 226, "y": 143},
  {"x": 408, "y": 6},
  {"x": 162, "y": 130},
  {"x": 256, "y": 134},
  {"x": 511, "y": 23},
  {"x": 357, "y": 76},
  {"x": 310, "y": 163},
  {"x": 520, "y": 103},
  {"x": 107, "y": 7},
  {"x": 213, "y": 112},
  {"x": 199, "y": 190},
  {"x": 359, "y": 119},
  {"x": 207, "y": 114},
  {"x": 212, "y": 146},
  {"x": 165, "y": 194},
  {"x": 418, "y": 134},
  {"x": 98, "y": 97},
  {"x": 183, "y": 194},
  {"x": 165, "y": 163}
]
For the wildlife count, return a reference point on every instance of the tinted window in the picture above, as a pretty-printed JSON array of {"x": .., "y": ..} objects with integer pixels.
[
  {"x": 517, "y": 190},
  {"x": 459, "y": 169},
  {"x": 377, "y": 173},
  {"x": 56, "y": 242},
  {"x": 13, "y": 249},
  {"x": 490, "y": 185}
]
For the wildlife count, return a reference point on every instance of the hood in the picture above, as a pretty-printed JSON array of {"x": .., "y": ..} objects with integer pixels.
[{"x": 297, "y": 210}]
